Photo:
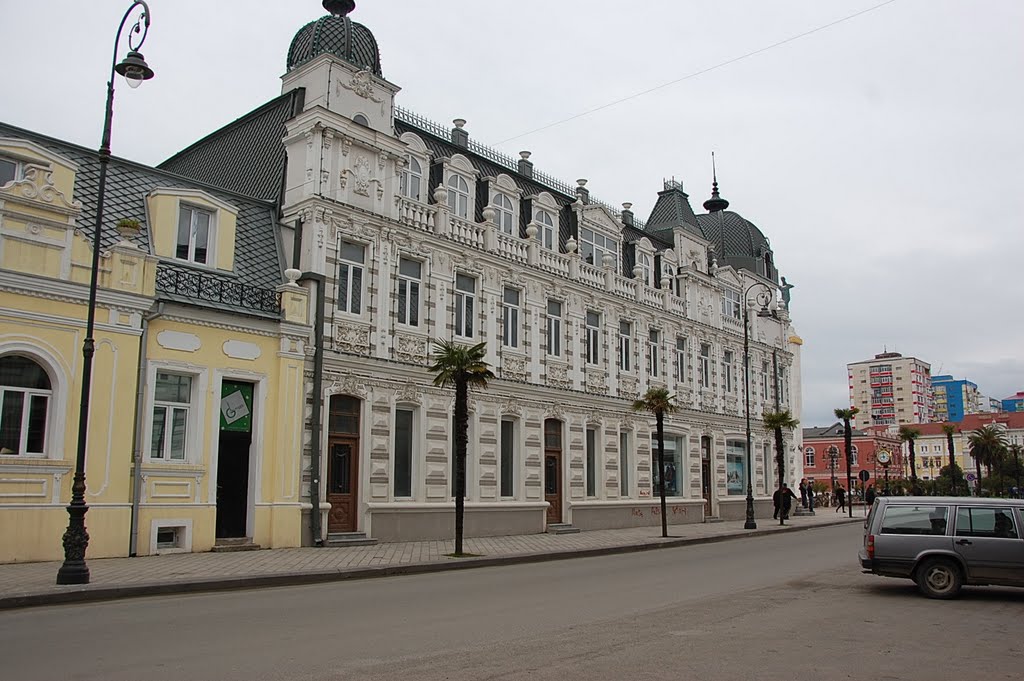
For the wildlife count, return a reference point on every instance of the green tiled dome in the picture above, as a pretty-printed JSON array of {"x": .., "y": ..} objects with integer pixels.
[{"x": 338, "y": 35}]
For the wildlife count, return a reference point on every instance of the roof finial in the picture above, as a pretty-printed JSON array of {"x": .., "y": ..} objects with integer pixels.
[
  {"x": 339, "y": 8},
  {"x": 716, "y": 202}
]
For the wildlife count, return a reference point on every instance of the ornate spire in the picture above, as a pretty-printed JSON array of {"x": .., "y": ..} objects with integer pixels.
[
  {"x": 339, "y": 8},
  {"x": 716, "y": 202}
]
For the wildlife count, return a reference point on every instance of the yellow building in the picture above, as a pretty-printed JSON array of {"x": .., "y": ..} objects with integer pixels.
[{"x": 198, "y": 370}]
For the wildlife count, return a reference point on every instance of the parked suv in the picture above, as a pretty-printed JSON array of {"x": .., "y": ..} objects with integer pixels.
[{"x": 943, "y": 543}]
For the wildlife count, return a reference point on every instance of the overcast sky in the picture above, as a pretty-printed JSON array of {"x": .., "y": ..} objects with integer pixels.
[{"x": 882, "y": 156}]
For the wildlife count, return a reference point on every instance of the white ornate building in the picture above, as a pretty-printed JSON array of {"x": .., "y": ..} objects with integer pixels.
[{"x": 407, "y": 231}]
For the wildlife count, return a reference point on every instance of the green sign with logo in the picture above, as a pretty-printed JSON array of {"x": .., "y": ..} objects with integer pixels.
[{"x": 236, "y": 406}]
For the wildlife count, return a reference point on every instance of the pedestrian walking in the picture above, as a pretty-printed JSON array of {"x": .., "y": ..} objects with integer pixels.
[
  {"x": 786, "y": 498},
  {"x": 840, "y": 498},
  {"x": 777, "y": 503},
  {"x": 803, "y": 492},
  {"x": 869, "y": 496}
]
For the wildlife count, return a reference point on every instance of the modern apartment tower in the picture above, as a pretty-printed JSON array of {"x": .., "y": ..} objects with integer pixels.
[
  {"x": 952, "y": 398},
  {"x": 890, "y": 389}
]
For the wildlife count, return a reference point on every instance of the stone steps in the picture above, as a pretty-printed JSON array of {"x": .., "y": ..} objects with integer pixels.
[
  {"x": 349, "y": 539},
  {"x": 562, "y": 528},
  {"x": 230, "y": 545}
]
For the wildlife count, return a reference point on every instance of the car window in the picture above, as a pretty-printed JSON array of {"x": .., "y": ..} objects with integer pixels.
[
  {"x": 985, "y": 522},
  {"x": 915, "y": 520}
]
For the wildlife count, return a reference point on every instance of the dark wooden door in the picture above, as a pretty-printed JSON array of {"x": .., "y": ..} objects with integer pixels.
[
  {"x": 553, "y": 485},
  {"x": 232, "y": 484},
  {"x": 705, "y": 474},
  {"x": 342, "y": 484}
]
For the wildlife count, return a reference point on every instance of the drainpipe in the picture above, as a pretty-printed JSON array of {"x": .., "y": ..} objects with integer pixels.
[
  {"x": 314, "y": 445},
  {"x": 140, "y": 398}
]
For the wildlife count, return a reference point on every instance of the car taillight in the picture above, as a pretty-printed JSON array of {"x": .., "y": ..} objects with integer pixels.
[{"x": 871, "y": 546}]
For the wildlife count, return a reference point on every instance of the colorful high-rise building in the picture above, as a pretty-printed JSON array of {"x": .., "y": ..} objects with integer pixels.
[{"x": 890, "y": 389}]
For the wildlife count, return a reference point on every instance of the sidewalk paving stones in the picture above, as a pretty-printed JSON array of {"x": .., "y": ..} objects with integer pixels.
[{"x": 28, "y": 584}]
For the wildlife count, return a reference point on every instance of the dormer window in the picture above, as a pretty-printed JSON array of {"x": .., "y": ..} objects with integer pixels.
[
  {"x": 546, "y": 231},
  {"x": 194, "y": 226},
  {"x": 8, "y": 170},
  {"x": 593, "y": 246},
  {"x": 458, "y": 196},
  {"x": 410, "y": 178},
  {"x": 731, "y": 307},
  {"x": 503, "y": 214}
]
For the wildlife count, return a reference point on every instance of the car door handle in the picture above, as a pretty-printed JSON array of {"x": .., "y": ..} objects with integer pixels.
[{"x": 963, "y": 542}]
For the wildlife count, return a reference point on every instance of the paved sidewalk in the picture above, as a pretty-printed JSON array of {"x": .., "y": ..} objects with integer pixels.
[{"x": 28, "y": 584}]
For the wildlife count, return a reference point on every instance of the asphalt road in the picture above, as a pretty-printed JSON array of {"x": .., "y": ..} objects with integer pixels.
[{"x": 792, "y": 606}]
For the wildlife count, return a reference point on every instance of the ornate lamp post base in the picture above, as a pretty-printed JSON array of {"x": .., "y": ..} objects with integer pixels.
[{"x": 76, "y": 539}]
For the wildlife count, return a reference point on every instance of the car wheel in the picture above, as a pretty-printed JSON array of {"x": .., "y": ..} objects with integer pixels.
[{"x": 939, "y": 578}]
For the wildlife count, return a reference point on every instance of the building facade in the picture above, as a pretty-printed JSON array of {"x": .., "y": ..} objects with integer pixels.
[
  {"x": 952, "y": 398},
  {"x": 407, "y": 231},
  {"x": 199, "y": 351},
  {"x": 932, "y": 445},
  {"x": 1014, "y": 402},
  {"x": 890, "y": 389},
  {"x": 824, "y": 452}
]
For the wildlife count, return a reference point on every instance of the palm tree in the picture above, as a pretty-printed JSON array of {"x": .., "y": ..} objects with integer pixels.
[
  {"x": 659, "y": 402},
  {"x": 987, "y": 444},
  {"x": 910, "y": 435},
  {"x": 461, "y": 366},
  {"x": 775, "y": 422},
  {"x": 847, "y": 415},
  {"x": 950, "y": 429}
]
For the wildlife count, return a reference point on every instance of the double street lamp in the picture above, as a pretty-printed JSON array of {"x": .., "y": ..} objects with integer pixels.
[
  {"x": 135, "y": 70},
  {"x": 765, "y": 298}
]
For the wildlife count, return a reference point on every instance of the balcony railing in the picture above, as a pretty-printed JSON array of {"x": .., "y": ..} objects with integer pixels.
[{"x": 199, "y": 286}]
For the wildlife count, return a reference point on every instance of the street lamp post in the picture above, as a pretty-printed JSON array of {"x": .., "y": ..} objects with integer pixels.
[
  {"x": 135, "y": 70},
  {"x": 833, "y": 456},
  {"x": 766, "y": 299}
]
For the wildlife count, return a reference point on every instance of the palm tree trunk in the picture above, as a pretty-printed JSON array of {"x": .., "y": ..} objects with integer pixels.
[
  {"x": 660, "y": 419},
  {"x": 977, "y": 464},
  {"x": 461, "y": 442},
  {"x": 848, "y": 443}
]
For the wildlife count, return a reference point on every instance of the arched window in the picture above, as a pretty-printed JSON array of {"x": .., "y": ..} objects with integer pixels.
[
  {"x": 853, "y": 455},
  {"x": 411, "y": 177},
  {"x": 458, "y": 196},
  {"x": 546, "y": 233},
  {"x": 809, "y": 457},
  {"x": 648, "y": 272},
  {"x": 360, "y": 119},
  {"x": 502, "y": 212},
  {"x": 25, "y": 395}
]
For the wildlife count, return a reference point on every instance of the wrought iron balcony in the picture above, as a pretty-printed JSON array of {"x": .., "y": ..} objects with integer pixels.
[{"x": 213, "y": 289}]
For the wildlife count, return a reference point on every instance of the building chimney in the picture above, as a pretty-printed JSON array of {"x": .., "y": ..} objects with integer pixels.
[
  {"x": 525, "y": 164},
  {"x": 460, "y": 137},
  {"x": 582, "y": 193},
  {"x": 627, "y": 214}
]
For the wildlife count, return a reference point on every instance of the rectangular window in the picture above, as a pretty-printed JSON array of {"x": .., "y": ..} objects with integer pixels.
[
  {"x": 593, "y": 337},
  {"x": 22, "y": 422},
  {"x": 591, "y": 462},
  {"x": 403, "y": 452},
  {"x": 681, "y": 359},
  {"x": 731, "y": 307},
  {"x": 350, "y": 277},
  {"x": 465, "y": 295},
  {"x": 809, "y": 457},
  {"x": 593, "y": 247},
  {"x": 672, "y": 465},
  {"x": 510, "y": 327},
  {"x": 193, "y": 242},
  {"x": 916, "y": 519},
  {"x": 727, "y": 369},
  {"x": 508, "y": 429},
  {"x": 653, "y": 361},
  {"x": 8, "y": 171},
  {"x": 625, "y": 342},
  {"x": 705, "y": 365},
  {"x": 735, "y": 467},
  {"x": 554, "y": 328},
  {"x": 171, "y": 398},
  {"x": 623, "y": 464},
  {"x": 410, "y": 276}
]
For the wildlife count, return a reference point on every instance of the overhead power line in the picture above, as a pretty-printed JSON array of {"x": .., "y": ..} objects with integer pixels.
[{"x": 701, "y": 72}]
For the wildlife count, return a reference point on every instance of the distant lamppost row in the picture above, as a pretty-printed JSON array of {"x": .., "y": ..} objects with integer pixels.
[
  {"x": 135, "y": 70},
  {"x": 768, "y": 305}
]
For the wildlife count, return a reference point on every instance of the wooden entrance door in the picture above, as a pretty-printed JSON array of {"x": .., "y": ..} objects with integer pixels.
[
  {"x": 342, "y": 484},
  {"x": 553, "y": 469}
]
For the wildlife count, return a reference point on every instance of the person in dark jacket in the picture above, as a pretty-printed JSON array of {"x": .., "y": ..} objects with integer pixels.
[
  {"x": 803, "y": 492},
  {"x": 777, "y": 503},
  {"x": 869, "y": 496},
  {"x": 786, "y": 497},
  {"x": 840, "y": 498}
]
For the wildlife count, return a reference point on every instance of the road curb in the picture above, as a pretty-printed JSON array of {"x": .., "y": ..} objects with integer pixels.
[{"x": 94, "y": 594}]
